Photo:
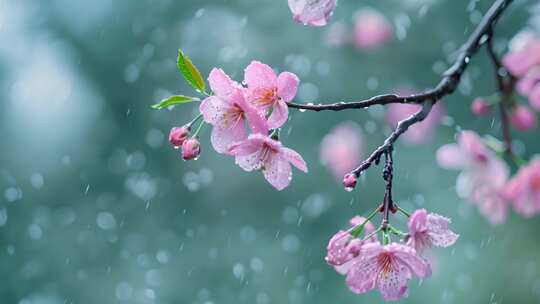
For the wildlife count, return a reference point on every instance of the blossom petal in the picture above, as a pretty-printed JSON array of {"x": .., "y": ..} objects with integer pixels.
[
  {"x": 256, "y": 121},
  {"x": 277, "y": 172},
  {"x": 222, "y": 85},
  {"x": 417, "y": 222},
  {"x": 411, "y": 259},
  {"x": 280, "y": 114},
  {"x": 345, "y": 267},
  {"x": 393, "y": 284},
  {"x": 246, "y": 147},
  {"x": 259, "y": 75},
  {"x": 517, "y": 63},
  {"x": 451, "y": 156},
  {"x": 287, "y": 86},
  {"x": 222, "y": 138},
  {"x": 294, "y": 158},
  {"x": 214, "y": 109},
  {"x": 438, "y": 231},
  {"x": 362, "y": 275},
  {"x": 534, "y": 97},
  {"x": 249, "y": 162}
]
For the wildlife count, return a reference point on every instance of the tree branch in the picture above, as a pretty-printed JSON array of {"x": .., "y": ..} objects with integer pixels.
[
  {"x": 389, "y": 142},
  {"x": 450, "y": 78}
]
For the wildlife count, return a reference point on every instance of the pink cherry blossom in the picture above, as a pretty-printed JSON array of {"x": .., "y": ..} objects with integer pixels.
[
  {"x": 341, "y": 149},
  {"x": 260, "y": 152},
  {"x": 524, "y": 189},
  {"x": 426, "y": 230},
  {"x": 228, "y": 112},
  {"x": 524, "y": 54},
  {"x": 483, "y": 175},
  {"x": 312, "y": 12},
  {"x": 529, "y": 81},
  {"x": 371, "y": 29},
  {"x": 191, "y": 148},
  {"x": 480, "y": 107},
  {"x": 343, "y": 248},
  {"x": 534, "y": 96},
  {"x": 522, "y": 118},
  {"x": 421, "y": 132},
  {"x": 387, "y": 268},
  {"x": 267, "y": 90}
]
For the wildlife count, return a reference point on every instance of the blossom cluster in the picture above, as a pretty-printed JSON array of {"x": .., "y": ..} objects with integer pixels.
[
  {"x": 369, "y": 264},
  {"x": 243, "y": 117},
  {"x": 523, "y": 63},
  {"x": 485, "y": 178}
]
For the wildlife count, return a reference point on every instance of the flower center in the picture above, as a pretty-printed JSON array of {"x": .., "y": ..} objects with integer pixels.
[
  {"x": 385, "y": 263},
  {"x": 234, "y": 116},
  {"x": 266, "y": 97}
]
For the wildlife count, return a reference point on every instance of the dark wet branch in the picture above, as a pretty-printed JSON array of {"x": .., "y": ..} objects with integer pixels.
[
  {"x": 388, "y": 144},
  {"x": 450, "y": 78}
]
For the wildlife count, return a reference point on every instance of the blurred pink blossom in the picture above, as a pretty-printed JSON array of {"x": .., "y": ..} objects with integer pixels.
[
  {"x": 260, "y": 152},
  {"x": 524, "y": 189},
  {"x": 480, "y": 107},
  {"x": 371, "y": 29},
  {"x": 341, "y": 149},
  {"x": 522, "y": 118},
  {"x": 483, "y": 175},
  {"x": 524, "y": 54},
  {"x": 312, "y": 12}
]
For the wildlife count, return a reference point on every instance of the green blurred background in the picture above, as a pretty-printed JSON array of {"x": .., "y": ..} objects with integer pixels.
[{"x": 95, "y": 207}]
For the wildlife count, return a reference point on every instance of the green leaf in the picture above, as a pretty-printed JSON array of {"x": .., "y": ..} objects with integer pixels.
[
  {"x": 173, "y": 100},
  {"x": 190, "y": 72}
]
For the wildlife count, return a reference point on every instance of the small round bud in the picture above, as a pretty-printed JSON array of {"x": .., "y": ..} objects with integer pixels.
[
  {"x": 349, "y": 181},
  {"x": 480, "y": 107},
  {"x": 522, "y": 118},
  {"x": 191, "y": 148},
  {"x": 178, "y": 135}
]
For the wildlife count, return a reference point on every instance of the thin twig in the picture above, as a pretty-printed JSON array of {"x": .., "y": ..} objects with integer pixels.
[
  {"x": 505, "y": 84},
  {"x": 390, "y": 140}
]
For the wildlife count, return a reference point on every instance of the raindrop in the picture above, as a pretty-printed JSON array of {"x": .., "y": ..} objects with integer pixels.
[
  {"x": 36, "y": 180},
  {"x": 35, "y": 232},
  {"x": 12, "y": 194},
  {"x": 239, "y": 271},
  {"x": 106, "y": 221},
  {"x": 123, "y": 291},
  {"x": 256, "y": 265}
]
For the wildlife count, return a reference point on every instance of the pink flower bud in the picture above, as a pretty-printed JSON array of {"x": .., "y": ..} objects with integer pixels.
[
  {"x": 522, "y": 118},
  {"x": 191, "y": 148},
  {"x": 349, "y": 181},
  {"x": 480, "y": 107},
  {"x": 178, "y": 135}
]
